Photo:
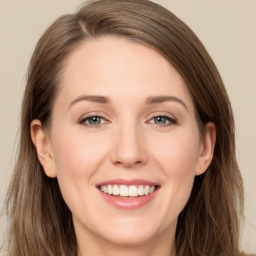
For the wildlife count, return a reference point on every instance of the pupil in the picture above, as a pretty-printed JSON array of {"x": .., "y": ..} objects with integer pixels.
[
  {"x": 94, "y": 120},
  {"x": 160, "y": 120}
]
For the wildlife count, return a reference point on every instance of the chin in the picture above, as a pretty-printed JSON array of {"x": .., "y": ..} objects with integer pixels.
[
  {"x": 134, "y": 233},
  {"x": 130, "y": 238}
]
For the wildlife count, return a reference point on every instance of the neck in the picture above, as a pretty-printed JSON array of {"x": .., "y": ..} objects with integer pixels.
[{"x": 125, "y": 251}]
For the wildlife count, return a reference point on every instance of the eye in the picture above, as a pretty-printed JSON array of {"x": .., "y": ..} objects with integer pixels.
[
  {"x": 93, "y": 121},
  {"x": 163, "y": 120}
]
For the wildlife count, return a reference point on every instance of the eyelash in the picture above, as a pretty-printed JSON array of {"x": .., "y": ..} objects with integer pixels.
[
  {"x": 84, "y": 120},
  {"x": 171, "y": 121}
]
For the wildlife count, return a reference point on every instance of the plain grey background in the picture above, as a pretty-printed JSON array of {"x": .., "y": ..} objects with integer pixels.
[{"x": 226, "y": 27}]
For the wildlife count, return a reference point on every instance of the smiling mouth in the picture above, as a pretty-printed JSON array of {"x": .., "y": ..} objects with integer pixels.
[{"x": 128, "y": 192}]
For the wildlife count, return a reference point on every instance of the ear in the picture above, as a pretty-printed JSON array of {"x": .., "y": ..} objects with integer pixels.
[
  {"x": 206, "y": 148},
  {"x": 43, "y": 147}
]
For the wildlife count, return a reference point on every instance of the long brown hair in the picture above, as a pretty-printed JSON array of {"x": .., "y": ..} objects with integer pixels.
[{"x": 40, "y": 222}]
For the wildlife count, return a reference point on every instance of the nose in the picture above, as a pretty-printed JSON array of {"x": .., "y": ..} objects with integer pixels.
[{"x": 129, "y": 149}]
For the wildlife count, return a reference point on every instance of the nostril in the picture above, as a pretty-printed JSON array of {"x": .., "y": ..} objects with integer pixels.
[
  {"x": 127, "y": 163},
  {"x": 126, "y": 156}
]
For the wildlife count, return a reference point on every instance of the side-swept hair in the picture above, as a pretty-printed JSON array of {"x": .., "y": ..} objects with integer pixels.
[{"x": 40, "y": 221}]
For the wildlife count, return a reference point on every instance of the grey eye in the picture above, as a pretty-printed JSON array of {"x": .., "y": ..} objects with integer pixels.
[
  {"x": 160, "y": 120},
  {"x": 163, "y": 120},
  {"x": 94, "y": 120}
]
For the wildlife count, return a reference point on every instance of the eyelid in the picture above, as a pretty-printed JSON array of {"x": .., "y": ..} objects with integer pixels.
[
  {"x": 163, "y": 114},
  {"x": 94, "y": 113},
  {"x": 85, "y": 117},
  {"x": 172, "y": 119}
]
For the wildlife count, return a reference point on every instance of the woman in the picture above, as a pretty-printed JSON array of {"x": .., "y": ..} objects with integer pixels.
[{"x": 127, "y": 141}]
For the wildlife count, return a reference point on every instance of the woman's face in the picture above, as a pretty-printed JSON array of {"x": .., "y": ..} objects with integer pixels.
[{"x": 123, "y": 122}]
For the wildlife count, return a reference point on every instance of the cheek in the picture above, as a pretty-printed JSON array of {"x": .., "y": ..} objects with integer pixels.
[
  {"x": 177, "y": 153},
  {"x": 77, "y": 158},
  {"x": 77, "y": 154},
  {"x": 177, "y": 157}
]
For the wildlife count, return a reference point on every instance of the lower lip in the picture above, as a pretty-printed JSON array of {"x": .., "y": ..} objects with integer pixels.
[{"x": 128, "y": 203}]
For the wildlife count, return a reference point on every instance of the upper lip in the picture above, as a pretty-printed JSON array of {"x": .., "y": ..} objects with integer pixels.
[{"x": 127, "y": 182}]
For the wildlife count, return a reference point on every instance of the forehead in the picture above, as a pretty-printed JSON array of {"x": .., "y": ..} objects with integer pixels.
[{"x": 117, "y": 67}]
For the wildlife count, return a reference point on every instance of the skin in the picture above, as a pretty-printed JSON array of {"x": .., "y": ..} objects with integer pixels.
[{"x": 128, "y": 143}]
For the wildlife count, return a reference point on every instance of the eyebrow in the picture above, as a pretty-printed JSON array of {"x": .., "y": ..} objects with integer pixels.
[
  {"x": 106, "y": 100},
  {"x": 91, "y": 98},
  {"x": 162, "y": 99}
]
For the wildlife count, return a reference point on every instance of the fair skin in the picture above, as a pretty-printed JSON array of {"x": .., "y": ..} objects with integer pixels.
[{"x": 136, "y": 134}]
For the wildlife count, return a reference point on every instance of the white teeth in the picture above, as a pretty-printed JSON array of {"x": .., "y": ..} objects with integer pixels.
[
  {"x": 104, "y": 189},
  {"x": 133, "y": 191},
  {"x": 146, "y": 190},
  {"x": 123, "y": 190},
  {"x": 110, "y": 190},
  {"x": 152, "y": 189},
  {"x": 141, "y": 191},
  {"x": 115, "y": 190}
]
